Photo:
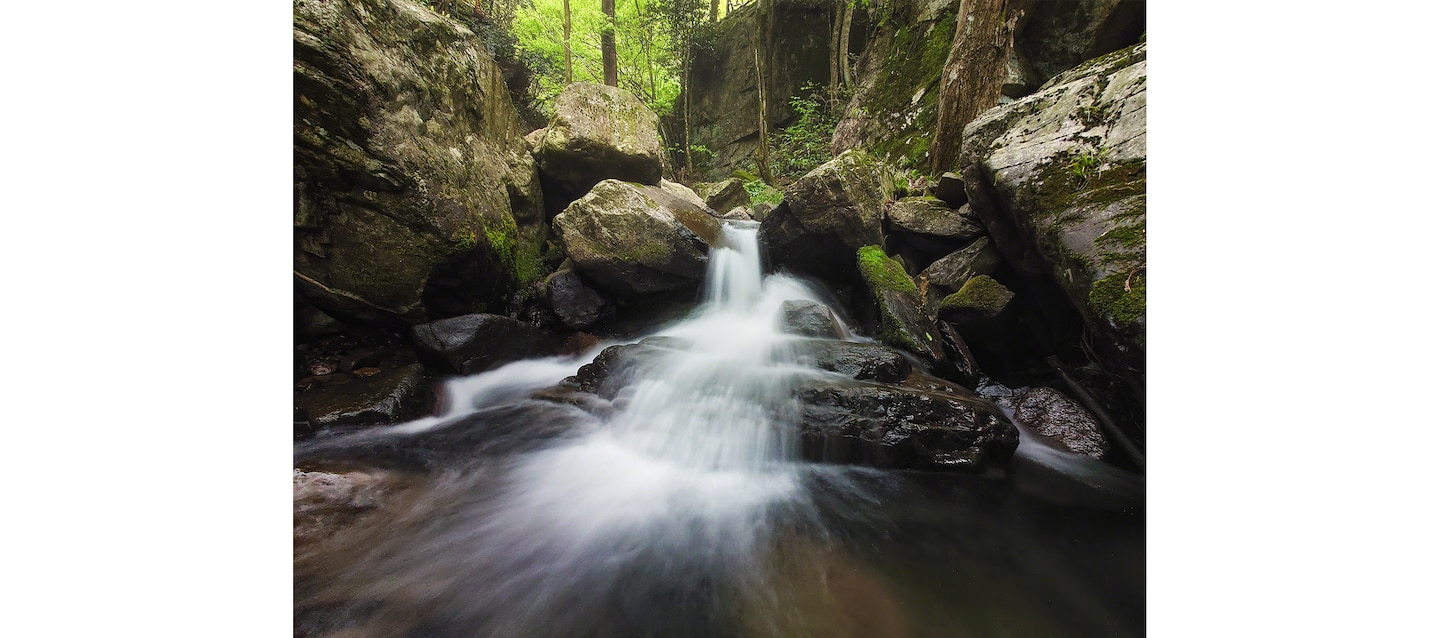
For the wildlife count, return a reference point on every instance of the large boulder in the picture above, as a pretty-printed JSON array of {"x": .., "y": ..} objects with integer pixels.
[
  {"x": 599, "y": 132},
  {"x": 576, "y": 305},
  {"x": 1059, "y": 180},
  {"x": 415, "y": 195},
  {"x": 932, "y": 216},
  {"x": 826, "y": 216},
  {"x": 634, "y": 240},
  {"x": 950, "y": 272},
  {"x": 470, "y": 344},
  {"x": 724, "y": 195}
]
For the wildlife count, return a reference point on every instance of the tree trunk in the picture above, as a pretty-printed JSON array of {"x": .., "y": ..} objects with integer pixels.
[
  {"x": 645, "y": 46},
  {"x": 714, "y": 10},
  {"x": 685, "y": 90},
  {"x": 972, "y": 77},
  {"x": 837, "y": 15},
  {"x": 569, "y": 76},
  {"x": 765, "y": 15},
  {"x": 845, "y": 45},
  {"x": 607, "y": 44}
]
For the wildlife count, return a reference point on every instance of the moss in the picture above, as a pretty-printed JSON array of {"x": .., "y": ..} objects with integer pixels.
[
  {"x": 882, "y": 272},
  {"x": 1131, "y": 235},
  {"x": 520, "y": 259},
  {"x": 979, "y": 293},
  {"x": 1109, "y": 299}
]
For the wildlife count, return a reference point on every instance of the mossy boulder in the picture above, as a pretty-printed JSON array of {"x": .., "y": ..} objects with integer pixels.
[
  {"x": 897, "y": 302},
  {"x": 826, "y": 216},
  {"x": 981, "y": 297},
  {"x": 410, "y": 170},
  {"x": 599, "y": 132},
  {"x": 950, "y": 272},
  {"x": 633, "y": 240},
  {"x": 1058, "y": 177}
]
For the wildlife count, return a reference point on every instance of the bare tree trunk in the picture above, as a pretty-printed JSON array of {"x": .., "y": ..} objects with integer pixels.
[
  {"x": 714, "y": 10},
  {"x": 607, "y": 44},
  {"x": 835, "y": 53},
  {"x": 569, "y": 77},
  {"x": 972, "y": 77},
  {"x": 685, "y": 89},
  {"x": 765, "y": 15},
  {"x": 645, "y": 46},
  {"x": 845, "y": 45}
]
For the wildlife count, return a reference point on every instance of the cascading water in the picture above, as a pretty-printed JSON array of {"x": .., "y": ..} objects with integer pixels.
[{"x": 681, "y": 512}]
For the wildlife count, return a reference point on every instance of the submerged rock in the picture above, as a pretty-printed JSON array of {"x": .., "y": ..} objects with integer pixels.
[
  {"x": 386, "y": 397},
  {"x": 826, "y": 216},
  {"x": 478, "y": 342},
  {"x": 599, "y": 132},
  {"x": 636, "y": 240},
  {"x": 891, "y": 426}
]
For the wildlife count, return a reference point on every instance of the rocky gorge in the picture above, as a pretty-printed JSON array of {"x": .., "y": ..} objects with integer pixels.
[{"x": 598, "y": 392}]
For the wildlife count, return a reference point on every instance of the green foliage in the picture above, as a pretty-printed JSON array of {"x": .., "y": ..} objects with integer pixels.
[
  {"x": 805, "y": 144},
  {"x": 1085, "y": 164},
  {"x": 759, "y": 190}
]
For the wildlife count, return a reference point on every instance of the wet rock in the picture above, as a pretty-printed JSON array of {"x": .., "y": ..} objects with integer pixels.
[
  {"x": 826, "y": 216},
  {"x": 891, "y": 426},
  {"x": 857, "y": 360},
  {"x": 724, "y": 195},
  {"x": 636, "y": 240},
  {"x": 327, "y": 501},
  {"x": 809, "y": 319},
  {"x": 599, "y": 132},
  {"x": 931, "y": 216},
  {"x": 387, "y": 397},
  {"x": 1056, "y": 416},
  {"x": 474, "y": 343},
  {"x": 897, "y": 300},
  {"x": 577, "y": 305}
]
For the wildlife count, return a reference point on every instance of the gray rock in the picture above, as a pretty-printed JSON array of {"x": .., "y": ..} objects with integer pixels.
[
  {"x": 932, "y": 216},
  {"x": 1054, "y": 415},
  {"x": 599, "y": 132},
  {"x": 724, "y": 195},
  {"x": 577, "y": 305},
  {"x": 951, "y": 272},
  {"x": 739, "y": 213},
  {"x": 951, "y": 190},
  {"x": 474, "y": 343},
  {"x": 809, "y": 319},
  {"x": 857, "y": 360},
  {"x": 826, "y": 216},
  {"x": 637, "y": 240}
]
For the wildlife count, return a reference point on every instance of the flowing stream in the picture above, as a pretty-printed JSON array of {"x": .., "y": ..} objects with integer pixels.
[{"x": 685, "y": 511}]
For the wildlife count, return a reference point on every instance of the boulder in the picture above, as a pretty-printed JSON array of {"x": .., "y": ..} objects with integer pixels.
[
  {"x": 891, "y": 426},
  {"x": 858, "y": 360},
  {"x": 901, "y": 324},
  {"x": 406, "y": 181},
  {"x": 826, "y": 216},
  {"x": 724, "y": 195},
  {"x": 809, "y": 319},
  {"x": 951, "y": 272},
  {"x": 1054, "y": 415},
  {"x": 577, "y": 305},
  {"x": 951, "y": 190},
  {"x": 599, "y": 132},
  {"x": 685, "y": 198},
  {"x": 1059, "y": 180},
  {"x": 981, "y": 298},
  {"x": 634, "y": 240},
  {"x": 474, "y": 343},
  {"x": 738, "y": 213},
  {"x": 392, "y": 396},
  {"x": 932, "y": 216}
]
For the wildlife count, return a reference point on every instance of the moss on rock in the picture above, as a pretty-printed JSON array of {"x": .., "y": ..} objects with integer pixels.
[
  {"x": 980, "y": 293},
  {"x": 1110, "y": 299},
  {"x": 882, "y": 272}
]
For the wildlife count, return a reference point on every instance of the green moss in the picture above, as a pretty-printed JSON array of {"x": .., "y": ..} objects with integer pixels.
[
  {"x": 1109, "y": 299},
  {"x": 1130, "y": 235},
  {"x": 979, "y": 293},
  {"x": 520, "y": 259},
  {"x": 882, "y": 272}
]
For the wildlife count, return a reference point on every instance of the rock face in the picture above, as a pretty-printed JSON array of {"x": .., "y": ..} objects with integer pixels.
[
  {"x": 1059, "y": 180},
  {"x": 388, "y": 397},
  {"x": 1060, "y": 35},
  {"x": 407, "y": 179},
  {"x": 599, "y": 132},
  {"x": 470, "y": 344},
  {"x": 1054, "y": 415},
  {"x": 630, "y": 243},
  {"x": 723, "y": 103},
  {"x": 826, "y": 216}
]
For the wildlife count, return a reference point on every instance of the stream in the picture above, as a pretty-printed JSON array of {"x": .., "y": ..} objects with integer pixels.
[{"x": 683, "y": 509}]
